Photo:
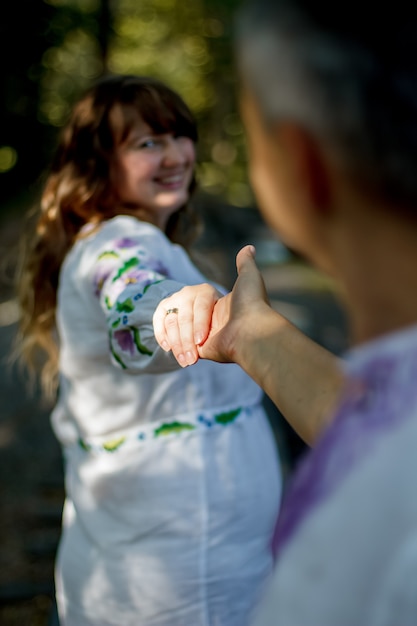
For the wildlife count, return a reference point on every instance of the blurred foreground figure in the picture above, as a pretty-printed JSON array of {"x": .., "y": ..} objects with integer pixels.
[{"x": 329, "y": 100}]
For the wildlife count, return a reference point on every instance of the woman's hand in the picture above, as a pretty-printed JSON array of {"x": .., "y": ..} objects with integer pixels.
[
  {"x": 198, "y": 322},
  {"x": 182, "y": 321}
]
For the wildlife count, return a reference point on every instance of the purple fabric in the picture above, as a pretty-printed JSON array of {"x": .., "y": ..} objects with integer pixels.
[
  {"x": 378, "y": 396},
  {"x": 125, "y": 242},
  {"x": 124, "y": 339}
]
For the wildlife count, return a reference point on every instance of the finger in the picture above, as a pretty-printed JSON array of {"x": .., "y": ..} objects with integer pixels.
[
  {"x": 203, "y": 310},
  {"x": 245, "y": 259},
  {"x": 180, "y": 334},
  {"x": 214, "y": 348},
  {"x": 250, "y": 280},
  {"x": 159, "y": 326}
]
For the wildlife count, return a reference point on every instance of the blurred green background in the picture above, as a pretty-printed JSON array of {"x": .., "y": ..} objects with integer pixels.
[{"x": 53, "y": 49}]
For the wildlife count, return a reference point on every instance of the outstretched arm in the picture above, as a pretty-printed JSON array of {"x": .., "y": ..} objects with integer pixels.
[{"x": 301, "y": 378}]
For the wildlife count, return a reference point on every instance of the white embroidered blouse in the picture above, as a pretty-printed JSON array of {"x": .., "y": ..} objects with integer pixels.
[{"x": 172, "y": 478}]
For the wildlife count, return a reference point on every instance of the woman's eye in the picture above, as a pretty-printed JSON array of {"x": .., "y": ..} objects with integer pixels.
[
  {"x": 143, "y": 144},
  {"x": 148, "y": 143}
]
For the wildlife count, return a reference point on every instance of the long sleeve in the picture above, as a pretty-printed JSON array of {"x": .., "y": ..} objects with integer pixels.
[{"x": 129, "y": 268}]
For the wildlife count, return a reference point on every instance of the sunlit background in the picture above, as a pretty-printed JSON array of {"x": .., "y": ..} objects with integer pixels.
[{"x": 52, "y": 50}]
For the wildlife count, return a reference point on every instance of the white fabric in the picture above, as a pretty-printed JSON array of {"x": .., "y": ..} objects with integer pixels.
[
  {"x": 348, "y": 553},
  {"x": 173, "y": 493}
]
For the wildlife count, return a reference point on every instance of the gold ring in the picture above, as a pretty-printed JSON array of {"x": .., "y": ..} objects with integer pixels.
[{"x": 168, "y": 311}]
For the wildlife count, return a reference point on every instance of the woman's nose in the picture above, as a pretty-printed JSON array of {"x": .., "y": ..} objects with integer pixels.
[{"x": 173, "y": 153}]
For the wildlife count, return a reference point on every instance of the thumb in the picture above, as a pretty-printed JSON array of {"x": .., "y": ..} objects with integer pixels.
[
  {"x": 245, "y": 259},
  {"x": 251, "y": 283}
]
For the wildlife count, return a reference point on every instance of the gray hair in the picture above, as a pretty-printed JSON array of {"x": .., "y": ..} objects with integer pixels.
[{"x": 351, "y": 83}]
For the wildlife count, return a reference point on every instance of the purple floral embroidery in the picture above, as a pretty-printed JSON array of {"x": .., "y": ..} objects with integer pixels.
[
  {"x": 125, "y": 242},
  {"x": 154, "y": 264},
  {"x": 100, "y": 277},
  {"x": 124, "y": 270},
  {"x": 125, "y": 341},
  {"x": 375, "y": 401},
  {"x": 160, "y": 268}
]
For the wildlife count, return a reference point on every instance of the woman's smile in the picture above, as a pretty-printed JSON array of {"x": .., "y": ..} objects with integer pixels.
[{"x": 172, "y": 181}]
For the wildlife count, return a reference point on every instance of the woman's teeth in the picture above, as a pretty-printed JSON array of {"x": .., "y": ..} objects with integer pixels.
[{"x": 170, "y": 180}]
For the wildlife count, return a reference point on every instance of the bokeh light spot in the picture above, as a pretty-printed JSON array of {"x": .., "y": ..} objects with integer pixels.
[
  {"x": 224, "y": 153},
  {"x": 8, "y": 158}
]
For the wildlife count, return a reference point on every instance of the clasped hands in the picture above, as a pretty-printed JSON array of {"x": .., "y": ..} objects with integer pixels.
[{"x": 199, "y": 322}]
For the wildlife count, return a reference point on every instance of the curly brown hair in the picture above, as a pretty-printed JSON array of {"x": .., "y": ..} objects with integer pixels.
[{"x": 79, "y": 190}]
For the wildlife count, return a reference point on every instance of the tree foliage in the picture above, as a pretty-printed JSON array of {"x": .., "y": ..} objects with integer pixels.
[{"x": 53, "y": 49}]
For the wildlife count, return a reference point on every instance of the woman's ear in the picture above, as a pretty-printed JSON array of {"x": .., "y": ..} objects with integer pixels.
[{"x": 306, "y": 165}]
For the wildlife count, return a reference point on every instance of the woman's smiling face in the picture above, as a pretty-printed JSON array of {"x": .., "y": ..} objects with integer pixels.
[{"x": 153, "y": 172}]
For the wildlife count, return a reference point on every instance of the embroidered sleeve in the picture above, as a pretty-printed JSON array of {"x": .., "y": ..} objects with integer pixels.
[{"x": 129, "y": 282}]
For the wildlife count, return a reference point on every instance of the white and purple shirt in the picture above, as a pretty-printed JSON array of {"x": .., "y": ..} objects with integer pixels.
[{"x": 346, "y": 539}]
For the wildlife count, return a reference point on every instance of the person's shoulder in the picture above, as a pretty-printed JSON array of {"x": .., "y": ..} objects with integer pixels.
[
  {"x": 120, "y": 231},
  {"x": 128, "y": 225},
  {"x": 114, "y": 238}
]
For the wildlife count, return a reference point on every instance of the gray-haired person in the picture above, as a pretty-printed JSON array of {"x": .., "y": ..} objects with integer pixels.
[{"x": 329, "y": 101}]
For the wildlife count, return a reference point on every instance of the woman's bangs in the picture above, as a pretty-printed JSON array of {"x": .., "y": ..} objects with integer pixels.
[
  {"x": 123, "y": 119},
  {"x": 164, "y": 113},
  {"x": 162, "y": 110}
]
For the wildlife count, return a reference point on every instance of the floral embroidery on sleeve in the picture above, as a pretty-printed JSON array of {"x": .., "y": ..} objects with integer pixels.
[{"x": 123, "y": 273}]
